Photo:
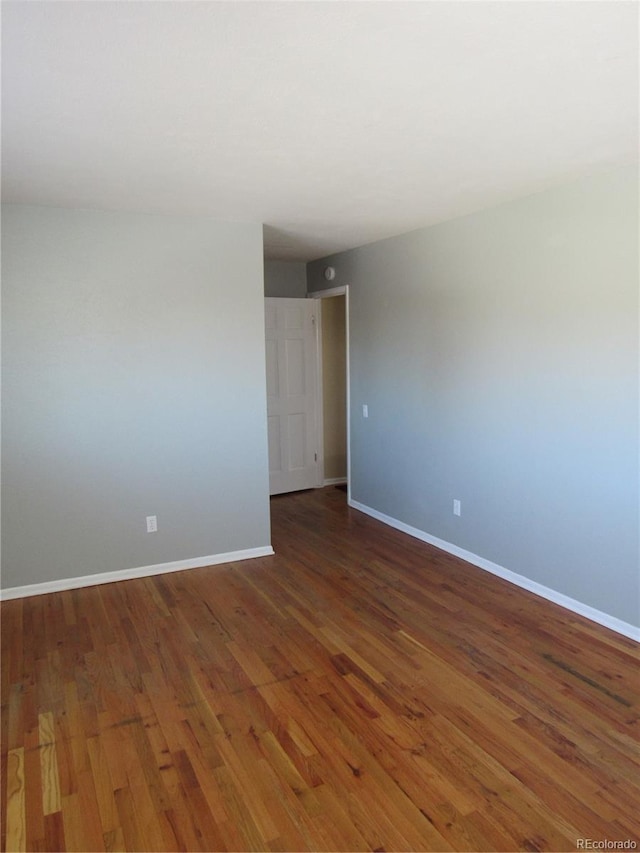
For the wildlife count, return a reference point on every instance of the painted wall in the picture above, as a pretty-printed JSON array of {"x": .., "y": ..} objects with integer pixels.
[
  {"x": 133, "y": 385},
  {"x": 498, "y": 355},
  {"x": 334, "y": 386},
  {"x": 285, "y": 279}
]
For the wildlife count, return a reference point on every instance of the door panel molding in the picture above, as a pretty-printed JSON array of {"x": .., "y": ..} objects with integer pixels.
[{"x": 292, "y": 399}]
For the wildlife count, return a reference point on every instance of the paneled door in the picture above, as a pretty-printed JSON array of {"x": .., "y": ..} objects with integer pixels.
[{"x": 292, "y": 394}]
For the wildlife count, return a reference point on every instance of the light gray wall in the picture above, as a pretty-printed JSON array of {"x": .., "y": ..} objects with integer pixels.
[
  {"x": 285, "y": 279},
  {"x": 498, "y": 355},
  {"x": 133, "y": 385}
]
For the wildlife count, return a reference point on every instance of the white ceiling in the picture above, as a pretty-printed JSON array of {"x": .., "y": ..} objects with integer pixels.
[{"x": 333, "y": 123}]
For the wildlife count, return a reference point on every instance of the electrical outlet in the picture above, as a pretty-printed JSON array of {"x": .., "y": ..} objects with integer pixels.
[
  {"x": 365, "y": 410},
  {"x": 152, "y": 524},
  {"x": 456, "y": 507}
]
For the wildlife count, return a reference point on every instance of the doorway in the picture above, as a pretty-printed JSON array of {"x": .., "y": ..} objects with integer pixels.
[
  {"x": 307, "y": 355},
  {"x": 333, "y": 386}
]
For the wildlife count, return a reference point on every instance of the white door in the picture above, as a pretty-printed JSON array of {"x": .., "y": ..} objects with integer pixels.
[{"x": 291, "y": 394}]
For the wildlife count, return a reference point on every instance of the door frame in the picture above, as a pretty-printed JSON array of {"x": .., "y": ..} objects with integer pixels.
[{"x": 325, "y": 294}]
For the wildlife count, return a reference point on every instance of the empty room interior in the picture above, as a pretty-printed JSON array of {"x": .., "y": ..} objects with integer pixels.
[{"x": 320, "y": 426}]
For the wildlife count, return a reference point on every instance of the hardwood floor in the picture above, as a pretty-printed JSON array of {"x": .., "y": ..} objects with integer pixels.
[{"x": 358, "y": 691}]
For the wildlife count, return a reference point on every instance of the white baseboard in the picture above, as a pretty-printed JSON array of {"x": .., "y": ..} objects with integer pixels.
[
  {"x": 128, "y": 574},
  {"x": 334, "y": 481},
  {"x": 598, "y": 616}
]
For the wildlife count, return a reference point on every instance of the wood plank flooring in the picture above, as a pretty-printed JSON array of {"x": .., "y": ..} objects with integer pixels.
[{"x": 358, "y": 691}]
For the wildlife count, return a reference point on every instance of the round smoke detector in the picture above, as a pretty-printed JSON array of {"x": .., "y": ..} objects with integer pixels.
[{"x": 329, "y": 273}]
